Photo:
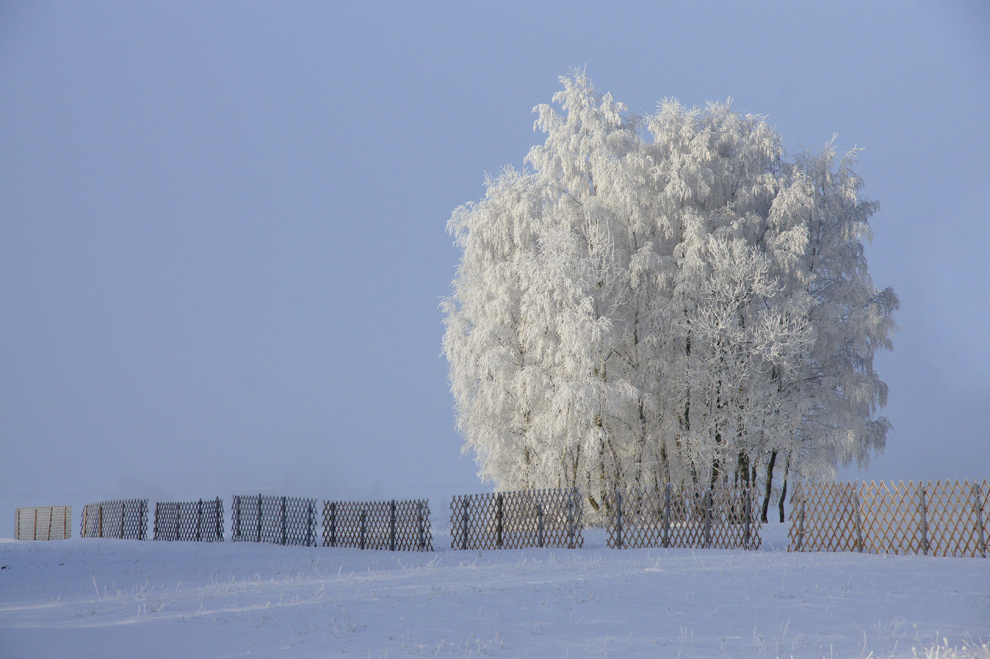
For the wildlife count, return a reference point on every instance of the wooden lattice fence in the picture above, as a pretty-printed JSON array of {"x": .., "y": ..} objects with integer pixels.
[
  {"x": 934, "y": 518},
  {"x": 197, "y": 521},
  {"x": 512, "y": 520},
  {"x": 718, "y": 516},
  {"x": 390, "y": 525},
  {"x": 274, "y": 519},
  {"x": 43, "y": 523},
  {"x": 124, "y": 519}
]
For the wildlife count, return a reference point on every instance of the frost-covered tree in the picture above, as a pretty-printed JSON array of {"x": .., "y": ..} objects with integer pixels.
[{"x": 665, "y": 299}]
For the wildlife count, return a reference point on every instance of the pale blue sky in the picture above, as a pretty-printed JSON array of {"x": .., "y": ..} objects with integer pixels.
[{"x": 222, "y": 241}]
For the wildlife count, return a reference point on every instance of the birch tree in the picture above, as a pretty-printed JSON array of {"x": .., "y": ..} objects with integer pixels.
[{"x": 665, "y": 299}]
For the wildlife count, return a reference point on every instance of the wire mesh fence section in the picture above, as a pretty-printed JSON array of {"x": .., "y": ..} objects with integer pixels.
[
  {"x": 722, "y": 516},
  {"x": 196, "y": 521},
  {"x": 273, "y": 519},
  {"x": 124, "y": 519},
  {"x": 513, "y": 520},
  {"x": 389, "y": 525},
  {"x": 934, "y": 518},
  {"x": 43, "y": 523}
]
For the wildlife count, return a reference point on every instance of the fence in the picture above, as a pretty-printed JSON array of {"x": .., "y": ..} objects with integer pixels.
[
  {"x": 200, "y": 521},
  {"x": 278, "y": 520},
  {"x": 44, "y": 523},
  {"x": 392, "y": 525},
  {"x": 512, "y": 520},
  {"x": 718, "y": 516},
  {"x": 932, "y": 518},
  {"x": 124, "y": 519}
]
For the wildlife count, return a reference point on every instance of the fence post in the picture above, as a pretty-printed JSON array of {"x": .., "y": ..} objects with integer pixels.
[
  {"x": 800, "y": 538},
  {"x": 199, "y": 521},
  {"x": 391, "y": 525},
  {"x": 570, "y": 519},
  {"x": 618, "y": 518},
  {"x": 666, "y": 515},
  {"x": 419, "y": 525},
  {"x": 464, "y": 521},
  {"x": 978, "y": 507},
  {"x": 364, "y": 527},
  {"x": 858, "y": 520},
  {"x": 746, "y": 503},
  {"x": 708, "y": 518},
  {"x": 309, "y": 525},
  {"x": 260, "y": 502},
  {"x": 333, "y": 523},
  {"x": 284, "y": 527},
  {"x": 923, "y": 509},
  {"x": 539, "y": 525},
  {"x": 101, "y": 520},
  {"x": 219, "y": 520},
  {"x": 235, "y": 512},
  {"x": 498, "y": 520}
]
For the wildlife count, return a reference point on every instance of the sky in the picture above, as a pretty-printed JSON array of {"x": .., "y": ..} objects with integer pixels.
[{"x": 222, "y": 225}]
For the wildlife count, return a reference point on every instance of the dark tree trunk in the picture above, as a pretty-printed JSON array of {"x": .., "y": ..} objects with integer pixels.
[
  {"x": 766, "y": 495},
  {"x": 742, "y": 469},
  {"x": 783, "y": 493},
  {"x": 780, "y": 504}
]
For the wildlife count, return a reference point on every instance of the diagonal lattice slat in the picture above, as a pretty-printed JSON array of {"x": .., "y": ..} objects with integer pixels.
[
  {"x": 124, "y": 519},
  {"x": 722, "y": 516},
  {"x": 513, "y": 520},
  {"x": 273, "y": 519},
  {"x": 389, "y": 525},
  {"x": 195, "y": 521},
  {"x": 935, "y": 518}
]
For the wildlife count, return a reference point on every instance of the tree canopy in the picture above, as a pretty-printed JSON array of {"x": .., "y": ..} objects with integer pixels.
[{"x": 665, "y": 299}]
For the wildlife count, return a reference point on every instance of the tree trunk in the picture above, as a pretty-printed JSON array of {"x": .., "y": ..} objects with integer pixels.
[
  {"x": 780, "y": 504},
  {"x": 766, "y": 495}
]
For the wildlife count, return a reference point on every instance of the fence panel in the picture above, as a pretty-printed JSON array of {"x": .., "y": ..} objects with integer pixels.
[
  {"x": 389, "y": 525},
  {"x": 933, "y": 518},
  {"x": 513, "y": 520},
  {"x": 196, "y": 521},
  {"x": 273, "y": 519},
  {"x": 43, "y": 523},
  {"x": 124, "y": 519},
  {"x": 826, "y": 517},
  {"x": 720, "y": 516}
]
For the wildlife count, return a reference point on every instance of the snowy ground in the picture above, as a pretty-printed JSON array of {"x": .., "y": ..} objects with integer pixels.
[{"x": 111, "y": 598}]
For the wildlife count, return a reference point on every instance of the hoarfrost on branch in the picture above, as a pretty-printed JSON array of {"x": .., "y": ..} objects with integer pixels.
[{"x": 665, "y": 299}]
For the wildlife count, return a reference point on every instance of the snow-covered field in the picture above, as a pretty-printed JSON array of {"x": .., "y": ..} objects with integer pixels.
[{"x": 112, "y": 598}]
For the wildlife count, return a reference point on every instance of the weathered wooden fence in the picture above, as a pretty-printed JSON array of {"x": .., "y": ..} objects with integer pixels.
[
  {"x": 934, "y": 518},
  {"x": 199, "y": 521},
  {"x": 391, "y": 525},
  {"x": 511, "y": 520},
  {"x": 124, "y": 519},
  {"x": 274, "y": 519},
  {"x": 718, "y": 516},
  {"x": 43, "y": 523}
]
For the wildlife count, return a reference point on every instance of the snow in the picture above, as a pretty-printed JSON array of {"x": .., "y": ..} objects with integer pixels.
[{"x": 89, "y": 598}]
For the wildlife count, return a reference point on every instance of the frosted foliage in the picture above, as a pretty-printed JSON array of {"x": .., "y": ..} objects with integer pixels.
[{"x": 664, "y": 299}]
